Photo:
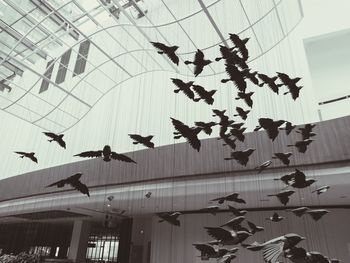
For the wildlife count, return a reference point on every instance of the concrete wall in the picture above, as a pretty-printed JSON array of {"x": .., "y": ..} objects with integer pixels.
[{"x": 329, "y": 236}]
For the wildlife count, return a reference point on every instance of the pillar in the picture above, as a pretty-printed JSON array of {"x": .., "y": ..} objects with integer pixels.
[{"x": 79, "y": 241}]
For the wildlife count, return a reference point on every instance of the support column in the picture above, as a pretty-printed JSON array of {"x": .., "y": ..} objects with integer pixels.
[
  {"x": 79, "y": 241},
  {"x": 124, "y": 240}
]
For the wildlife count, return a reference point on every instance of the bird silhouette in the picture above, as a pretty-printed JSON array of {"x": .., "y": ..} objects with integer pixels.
[
  {"x": 167, "y": 50},
  {"x": 263, "y": 166},
  {"x": 240, "y": 44},
  {"x": 146, "y": 141},
  {"x": 237, "y": 212},
  {"x": 291, "y": 84},
  {"x": 275, "y": 218},
  {"x": 306, "y": 131},
  {"x": 287, "y": 179},
  {"x": 283, "y": 157},
  {"x": 300, "y": 211},
  {"x": 317, "y": 214},
  {"x": 270, "y": 126},
  {"x": 251, "y": 75},
  {"x": 208, "y": 251},
  {"x": 73, "y": 181},
  {"x": 300, "y": 181},
  {"x": 207, "y": 127},
  {"x": 254, "y": 228},
  {"x": 228, "y": 141},
  {"x": 231, "y": 197},
  {"x": 231, "y": 57},
  {"x": 270, "y": 82},
  {"x": 247, "y": 97},
  {"x": 273, "y": 248},
  {"x": 107, "y": 155},
  {"x": 170, "y": 217},
  {"x": 236, "y": 76},
  {"x": 289, "y": 127},
  {"x": 28, "y": 155},
  {"x": 185, "y": 87},
  {"x": 227, "y": 237},
  {"x": 301, "y": 145},
  {"x": 213, "y": 209},
  {"x": 148, "y": 195},
  {"x": 242, "y": 113},
  {"x": 57, "y": 138},
  {"x": 238, "y": 133},
  {"x": 234, "y": 223},
  {"x": 321, "y": 189},
  {"x": 283, "y": 196},
  {"x": 205, "y": 95},
  {"x": 199, "y": 62},
  {"x": 242, "y": 157},
  {"x": 294, "y": 91},
  {"x": 190, "y": 134}
]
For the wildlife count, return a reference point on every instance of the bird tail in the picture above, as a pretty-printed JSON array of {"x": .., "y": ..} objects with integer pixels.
[
  {"x": 286, "y": 93},
  {"x": 212, "y": 92},
  {"x": 218, "y": 59},
  {"x": 290, "y": 145},
  {"x": 176, "y": 90},
  {"x": 271, "y": 195},
  {"x": 135, "y": 143},
  {"x": 160, "y": 52},
  {"x": 276, "y": 179},
  {"x": 188, "y": 62},
  {"x": 225, "y": 80}
]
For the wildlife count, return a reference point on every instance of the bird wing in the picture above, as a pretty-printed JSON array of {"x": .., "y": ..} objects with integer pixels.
[
  {"x": 234, "y": 210},
  {"x": 173, "y": 57},
  {"x": 21, "y": 153},
  {"x": 34, "y": 159},
  {"x": 121, "y": 157},
  {"x": 205, "y": 249},
  {"x": 178, "y": 83},
  {"x": 135, "y": 137},
  {"x": 90, "y": 154},
  {"x": 251, "y": 225},
  {"x": 219, "y": 233},
  {"x": 194, "y": 142},
  {"x": 74, "y": 177},
  {"x": 199, "y": 56},
  {"x": 50, "y": 134},
  {"x": 160, "y": 46},
  {"x": 249, "y": 101},
  {"x": 299, "y": 177},
  {"x": 59, "y": 183},
  {"x": 284, "y": 199},
  {"x": 315, "y": 215},
  {"x": 271, "y": 252},
  {"x": 188, "y": 92},
  {"x": 198, "y": 69},
  {"x": 61, "y": 143},
  {"x": 81, "y": 188}
]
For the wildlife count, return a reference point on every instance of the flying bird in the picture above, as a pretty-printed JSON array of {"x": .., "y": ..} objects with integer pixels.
[
  {"x": 273, "y": 248},
  {"x": 148, "y": 195},
  {"x": 254, "y": 228},
  {"x": 57, "y": 138},
  {"x": 73, "y": 181},
  {"x": 234, "y": 197},
  {"x": 228, "y": 141},
  {"x": 247, "y": 97},
  {"x": 252, "y": 76},
  {"x": 289, "y": 127},
  {"x": 146, "y": 141},
  {"x": 306, "y": 131},
  {"x": 207, "y": 127},
  {"x": 231, "y": 57},
  {"x": 242, "y": 113},
  {"x": 294, "y": 90},
  {"x": 242, "y": 157},
  {"x": 238, "y": 133},
  {"x": 270, "y": 82},
  {"x": 301, "y": 145},
  {"x": 240, "y": 44},
  {"x": 321, "y": 189},
  {"x": 283, "y": 196},
  {"x": 237, "y": 212},
  {"x": 283, "y": 157},
  {"x": 270, "y": 126},
  {"x": 275, "y": 217},
  {"x": 170, "y": 217},
  {"x": 263, "y": 166},
  {"x": 208, "y": 251},
  {"x": 167, "y": 50},
  {"x": 300, "y": 181},
  {"x": 107, "y": 154},
  {"x": 205, "y": 95},
  {"x": 185, "y": 87},
  {"x": 300, "y": 211},
  {"x": 227, "y": 237},
  {"x": 190, "y": 134},
  {"x": 236, "y": 76},
  {"x": 28, "y": 155},
  {"x": 199, "y": 62},
  {"x": 317, "y": 214}
]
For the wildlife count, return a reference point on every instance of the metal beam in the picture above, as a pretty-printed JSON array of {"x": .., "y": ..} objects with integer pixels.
[
  {"x": 11, "y": 67},
  {"x": 206, "y": 11},
  {"x": 47, "y": 79}
]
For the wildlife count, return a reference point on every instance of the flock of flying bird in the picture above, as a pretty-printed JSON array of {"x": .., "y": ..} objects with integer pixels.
[{"x": 230, "y": 132}]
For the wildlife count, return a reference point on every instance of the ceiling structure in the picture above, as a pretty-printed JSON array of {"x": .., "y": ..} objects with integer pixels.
[{"x": 51, "y": 52}]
